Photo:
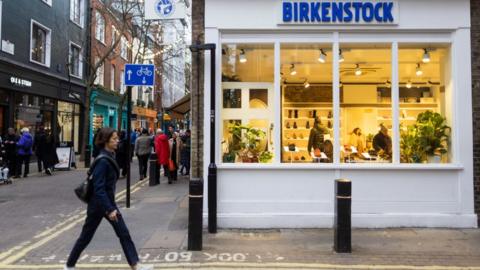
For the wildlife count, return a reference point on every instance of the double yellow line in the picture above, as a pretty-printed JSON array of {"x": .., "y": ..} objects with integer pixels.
[{"x": 16, "y": 253}]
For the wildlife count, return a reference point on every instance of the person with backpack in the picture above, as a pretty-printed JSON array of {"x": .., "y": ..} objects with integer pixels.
[
  {"x": 24, "y": 145},
  {"x": 104, "y": 174}
]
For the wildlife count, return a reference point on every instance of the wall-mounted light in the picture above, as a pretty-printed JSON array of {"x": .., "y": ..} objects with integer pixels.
[
  {"x": 358, "y": 70},
  {"x": 426, "y": 56},
  {"x": 340, "y": 57},
  {"x": 419, "y": 70},
  {"x": 242, "y": 57},
  {"x": 409, "y": 84},
  {"x": 306, "y": 84},
  {"x": 322, "y": 58},
  {"x": 293, "y": 71}
]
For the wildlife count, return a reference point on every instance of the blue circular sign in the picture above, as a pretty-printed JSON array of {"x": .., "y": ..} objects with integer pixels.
[{"x": 164, "y": 8}]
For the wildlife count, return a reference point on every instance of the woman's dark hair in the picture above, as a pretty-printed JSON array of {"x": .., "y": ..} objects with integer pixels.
[
  {"x": 144, "y": 131},
  {"x": 103, "y": 136}
]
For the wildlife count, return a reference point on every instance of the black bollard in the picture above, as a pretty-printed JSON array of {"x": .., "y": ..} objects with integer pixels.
[
  {"x": 343, "y": 216},
  {"x": 88, "y": 154},
  {"x": 195, "y": 215},
  {"x": 152, "y": 181}
]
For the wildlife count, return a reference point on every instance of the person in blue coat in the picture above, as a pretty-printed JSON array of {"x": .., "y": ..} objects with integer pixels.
[
  {"x": 24, "y": 146},
  {"x": 102, "y": 203}
]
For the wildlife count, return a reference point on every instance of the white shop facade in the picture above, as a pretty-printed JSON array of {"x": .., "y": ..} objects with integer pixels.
[{"x": 377, "y": 92}]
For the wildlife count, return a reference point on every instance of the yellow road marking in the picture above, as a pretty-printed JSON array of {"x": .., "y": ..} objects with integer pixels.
[
  {"x": 249, "y": 266},
  {"x": 53, "y": 232}
]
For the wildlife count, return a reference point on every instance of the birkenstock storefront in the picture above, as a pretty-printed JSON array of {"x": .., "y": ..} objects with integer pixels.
[{"x": 377, "y": 92}]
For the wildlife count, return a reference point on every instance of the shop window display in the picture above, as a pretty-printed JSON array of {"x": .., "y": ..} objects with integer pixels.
[
  {"x": 247, "y": 103},
  {"x": 366, "y": 104},
  {"x": 425, "y": 97},
  {"x": 307, "y": 103}
]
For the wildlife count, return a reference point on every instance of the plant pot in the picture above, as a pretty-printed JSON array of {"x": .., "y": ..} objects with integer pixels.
[{"x": 434, "y": 159}]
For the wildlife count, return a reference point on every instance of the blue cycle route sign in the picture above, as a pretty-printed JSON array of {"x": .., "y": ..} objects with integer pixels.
[{"x": 139, "y": 75}]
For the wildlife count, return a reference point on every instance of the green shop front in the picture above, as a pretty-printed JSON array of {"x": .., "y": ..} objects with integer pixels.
[{"x": 104, "y": 110}]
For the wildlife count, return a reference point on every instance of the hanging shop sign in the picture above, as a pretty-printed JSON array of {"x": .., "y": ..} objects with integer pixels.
[{"x": 339, "y": 12}]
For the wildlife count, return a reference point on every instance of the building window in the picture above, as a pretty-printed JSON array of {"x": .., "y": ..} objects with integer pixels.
[
  {"x": 114, "y": 35},
  {"x": 77, "y": 12},
  {"x": 425, "y": 109},
  {"x": 112, "y": 78},
  {"x": 247, "y": 114},
  {"x": 100, "y": 27},
  {"x": 75, "y": 60},
  {"x": 122, "y": 84},
  {"x": 307, "y": 103},
  {"x": 124, "y": 48},
  {"x": 100, "y": 73},
  {"x": 40, "y": 44},
  {"x": 48, "y": 2}
]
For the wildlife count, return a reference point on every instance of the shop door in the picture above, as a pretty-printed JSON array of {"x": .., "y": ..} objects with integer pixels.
[{"x": 3, "y": 120}]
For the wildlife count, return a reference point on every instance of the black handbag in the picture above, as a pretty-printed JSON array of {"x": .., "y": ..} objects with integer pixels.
[{"x": 84, "y": 191}]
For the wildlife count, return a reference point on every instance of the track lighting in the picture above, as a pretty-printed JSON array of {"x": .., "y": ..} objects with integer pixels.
[
  {"x": 242, "y": 57},
  {"x": 293, "y": 71},
  {"x": 419, "y": 71},
  {"x": 358, "y": 70},
  {"x": 409, "y": 84},
  {"x": 426, "y": 56},
  {"x": 323, "y": 57},
  {"x": 306, "y": 84},
  {"x": 340, "y": 57}
]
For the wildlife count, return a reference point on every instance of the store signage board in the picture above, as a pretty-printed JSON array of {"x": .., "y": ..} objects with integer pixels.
[
  {"x": 20, "y": 82},
  {"x": 312, "y": 12},
  {"x": 164, "y": 10},
  {"x": 139, "y": 75}
]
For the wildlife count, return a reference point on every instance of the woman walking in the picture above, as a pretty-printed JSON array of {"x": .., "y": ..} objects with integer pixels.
[
  {"x": 50, "y": 157},
  {"x": 102, "y": 204},
  {"x": 121, "y": 153}
]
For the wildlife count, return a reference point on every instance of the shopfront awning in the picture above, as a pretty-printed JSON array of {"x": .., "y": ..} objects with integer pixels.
[{"x": 180, "y": 108}]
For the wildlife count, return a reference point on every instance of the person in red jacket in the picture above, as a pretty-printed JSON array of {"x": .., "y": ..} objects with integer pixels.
[{"x": 162, "y": 149}]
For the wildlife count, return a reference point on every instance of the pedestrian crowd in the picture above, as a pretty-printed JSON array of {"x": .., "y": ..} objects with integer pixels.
[{"x": 17, "y": 149}]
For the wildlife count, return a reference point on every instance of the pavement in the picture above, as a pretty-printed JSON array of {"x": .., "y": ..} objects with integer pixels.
[{"x": 41, "y": 219}]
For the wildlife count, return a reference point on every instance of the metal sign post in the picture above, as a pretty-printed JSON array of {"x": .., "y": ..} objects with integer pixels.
[{"x": 135, "y": 75}]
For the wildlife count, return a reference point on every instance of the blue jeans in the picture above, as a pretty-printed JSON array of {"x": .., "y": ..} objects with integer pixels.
[{"x": 93, "y": 220}]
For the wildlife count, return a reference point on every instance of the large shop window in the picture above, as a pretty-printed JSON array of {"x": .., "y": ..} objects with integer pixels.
[
  {"x": 366, "y": 103},
  {"x": 307, "y": 109},
  {"x": 426, "y": 95},
  {"x": 247, "y": 103}
]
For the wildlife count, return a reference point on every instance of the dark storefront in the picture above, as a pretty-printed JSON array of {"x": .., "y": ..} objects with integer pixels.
[{"x": 33, "y": 99}]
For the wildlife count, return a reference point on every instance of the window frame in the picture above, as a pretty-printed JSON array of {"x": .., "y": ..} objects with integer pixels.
[
  {"x": 101, "y": 67},
  {"x": 81, "y": 6},
  {"x": 337, "y": 39},
  {"x": 98, "y": 15},
  {"x": 48, "y": 2},
  {"x": 113, "y": 71},
  {"x": 124, "y": 47},
  {"x": 48, "y": 43},
  {"x": 80, "y": 62}
]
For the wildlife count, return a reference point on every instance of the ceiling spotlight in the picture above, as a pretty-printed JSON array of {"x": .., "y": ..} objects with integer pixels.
[
  {"x": 409, "y": 84},
  {"x": 340, "y": 57},
  {"x": 293, "y": 71},
  {"x": 358, "y": 70},
  {"x": 242, "y": 57},
  {"x": 306, "y": 84},
  {"x": 426, "y": 56},
  {"x": 419, "y": 71},
  {"x": 323, "y": 57}
]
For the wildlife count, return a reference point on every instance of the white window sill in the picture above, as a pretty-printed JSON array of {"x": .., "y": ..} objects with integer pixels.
[
  {"x": 326, "y": 166},
  {"x": 101, "y": 42},
  {"x": 39, "y": 63},
  {"x": 76, "y": 76},
  {"x": 77, "y": 24}
]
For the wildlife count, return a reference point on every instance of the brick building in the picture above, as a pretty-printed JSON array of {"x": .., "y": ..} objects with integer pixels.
[{"x": 475, "y": 36}]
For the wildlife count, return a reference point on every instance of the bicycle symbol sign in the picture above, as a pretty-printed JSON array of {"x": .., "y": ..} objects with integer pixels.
[{"x": 139, "y": 75}]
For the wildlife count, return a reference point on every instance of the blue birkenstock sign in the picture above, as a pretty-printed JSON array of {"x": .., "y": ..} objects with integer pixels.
[{"x": 339, "y": 12}]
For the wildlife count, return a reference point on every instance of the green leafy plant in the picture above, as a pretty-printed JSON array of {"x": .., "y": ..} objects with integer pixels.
[
  {"x": 266, "y": 157},
  {"x": 246, "y": 142},
  {"x": 428, "y": 137}
]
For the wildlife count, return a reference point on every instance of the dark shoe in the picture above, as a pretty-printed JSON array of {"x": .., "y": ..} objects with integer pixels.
[
  {"x": 25, "y": 176},
  {"x": 169, "y": 182}
]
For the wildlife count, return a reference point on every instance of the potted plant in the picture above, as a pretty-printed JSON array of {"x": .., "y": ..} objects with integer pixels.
[
  {"x": 434, "y": 135},
  {"x": 427, "y": 140},
  {"x": 246, "y": 142}
]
